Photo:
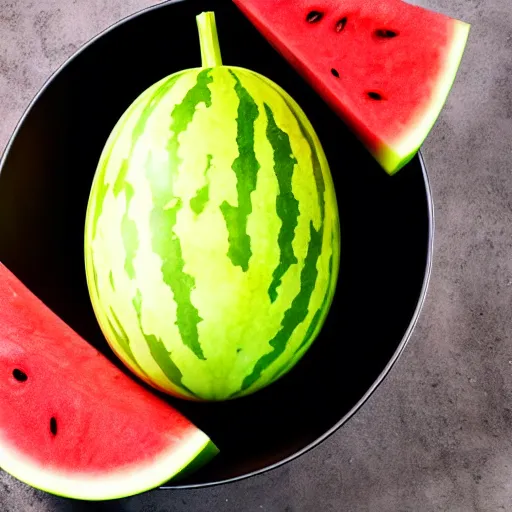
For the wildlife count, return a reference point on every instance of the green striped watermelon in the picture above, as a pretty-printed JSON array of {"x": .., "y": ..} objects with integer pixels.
[{"x": 212, "y": 232}]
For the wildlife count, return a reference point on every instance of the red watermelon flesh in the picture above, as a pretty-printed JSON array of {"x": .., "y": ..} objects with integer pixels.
[
  {"x": 71, "y": 423},
  {"x": 384, "y": 66}
]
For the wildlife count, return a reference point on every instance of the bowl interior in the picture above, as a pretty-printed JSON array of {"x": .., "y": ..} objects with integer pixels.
[{"x": 46, "y": 175}]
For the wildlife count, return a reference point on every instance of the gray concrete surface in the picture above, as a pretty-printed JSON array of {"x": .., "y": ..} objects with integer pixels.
[{"x": 436, "y": 436}]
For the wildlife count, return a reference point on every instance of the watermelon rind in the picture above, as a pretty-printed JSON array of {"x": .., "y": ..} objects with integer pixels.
[
  {"x": 197, "y": 448},
  {"x": 392, "y": 159},
  {"x": 207, "y": 454}
]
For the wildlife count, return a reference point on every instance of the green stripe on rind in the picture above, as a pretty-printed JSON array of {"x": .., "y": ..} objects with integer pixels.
[
  {"x": 321, "y": 311},
  {"x": 298, "y": 311},
  {"x": 315, "y": 324},
  {"x": 158, "y": 351},
  {"x": 317, "y": 166},
  {"x": 246, "y": 169},
  {"x": 123, "y": 340},
  {"x": 94, "y": 286},
  {"x": 287, "y": 207},
  {"x": 167, "y": 245},
  {"x": 183, "y": 113},
  {"x": 199, "y": 201},
  {"x": 128, "y": 226},
  {"x": 129, "y": 234},
  {"x": 165, "y": 242},
  {"x": 111, "y": 280}
]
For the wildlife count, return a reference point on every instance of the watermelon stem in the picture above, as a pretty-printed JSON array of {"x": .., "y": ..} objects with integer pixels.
[{"x": 209, "y": 40}]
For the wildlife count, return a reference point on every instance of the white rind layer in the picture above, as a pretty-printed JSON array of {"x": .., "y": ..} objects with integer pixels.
[
  {"x": 409, "y": 144},
  {"x": 103, "y": 485}
]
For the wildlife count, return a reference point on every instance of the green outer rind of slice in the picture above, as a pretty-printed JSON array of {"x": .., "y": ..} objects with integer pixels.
[
  {"x": 392, "y": 159},
  {"x": 207, "y": 454},
  {"x": 195, "y": 451}
]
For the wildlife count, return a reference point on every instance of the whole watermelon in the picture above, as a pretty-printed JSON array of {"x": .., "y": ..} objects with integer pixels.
[{"x": 212, "y": 232}]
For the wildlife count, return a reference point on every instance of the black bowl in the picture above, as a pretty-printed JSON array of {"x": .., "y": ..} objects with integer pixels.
[{"x": 387, "y": 223}]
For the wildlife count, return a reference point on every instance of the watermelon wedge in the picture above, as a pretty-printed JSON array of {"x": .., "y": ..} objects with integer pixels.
[
  {"x": 384, "y": 66},
  {"x": 71, "y": 423}
]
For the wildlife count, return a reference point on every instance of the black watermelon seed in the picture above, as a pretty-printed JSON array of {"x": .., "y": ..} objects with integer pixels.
[
  {"x": 19, "y": 375},
  {"x": 314, "y": 16},
  {"x": 340, "y": 25}
]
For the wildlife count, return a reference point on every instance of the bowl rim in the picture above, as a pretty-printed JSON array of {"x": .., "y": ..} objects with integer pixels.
[{"x": 401, "y": 346}]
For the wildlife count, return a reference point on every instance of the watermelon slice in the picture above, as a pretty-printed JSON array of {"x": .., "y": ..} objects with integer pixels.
[
  {"x": 384, "y": 66},
  {"x": 71, "y": 423}
]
